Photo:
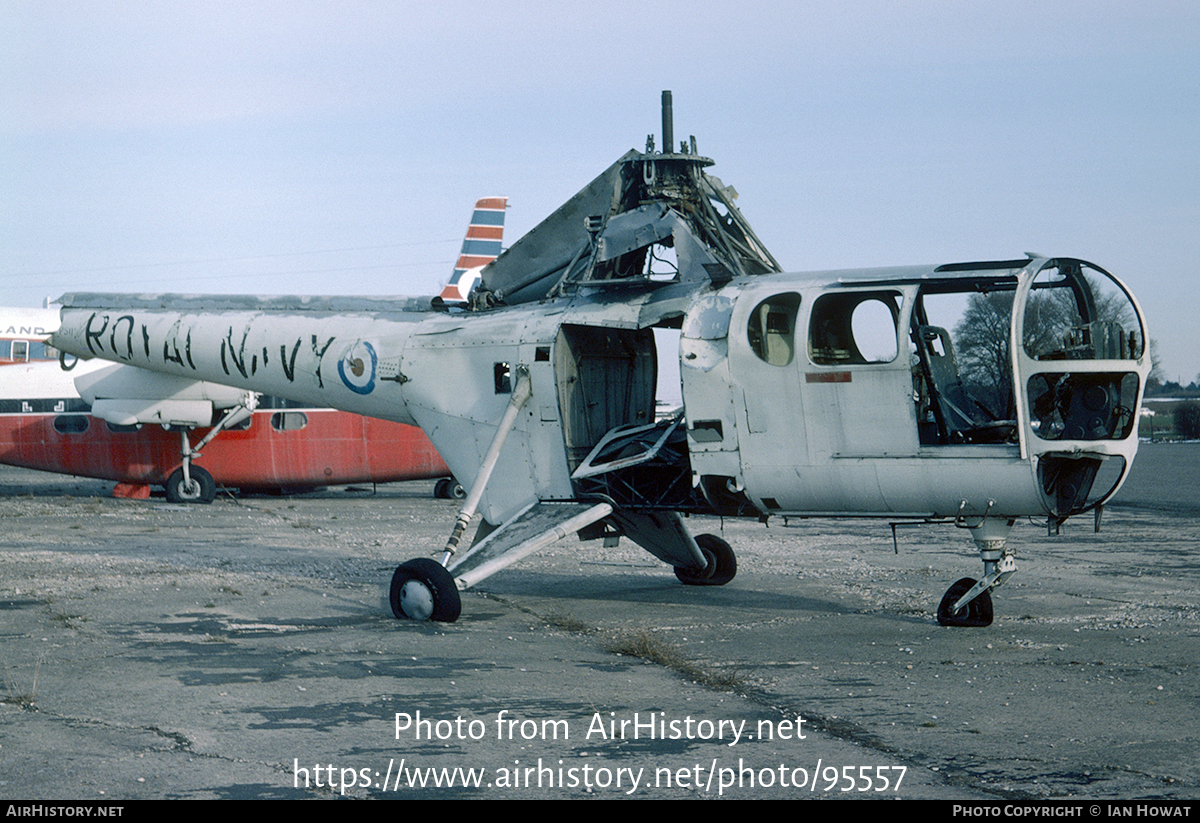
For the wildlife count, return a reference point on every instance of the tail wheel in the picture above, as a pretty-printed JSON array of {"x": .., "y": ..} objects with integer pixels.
[
  {"x": 202, "y": 489},
  {"x": 977, "y": 613},
  {"x": 422, "y": 589},
  {"x": 721, "y": 564}
]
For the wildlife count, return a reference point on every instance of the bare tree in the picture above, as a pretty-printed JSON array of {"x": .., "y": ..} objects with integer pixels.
[{"x": 981, "y": 341}]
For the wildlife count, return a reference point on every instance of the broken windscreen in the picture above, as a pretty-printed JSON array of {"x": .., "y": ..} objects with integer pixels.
[{"x": 1077, "y": 312}]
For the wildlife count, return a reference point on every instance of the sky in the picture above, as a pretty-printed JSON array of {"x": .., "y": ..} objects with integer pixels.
[{"x": 337, "y": 148}]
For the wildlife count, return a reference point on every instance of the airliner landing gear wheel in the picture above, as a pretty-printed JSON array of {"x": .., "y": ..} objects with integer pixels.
[
  {"x": 721, "y": 568},
  {"x": 977, "y": 613},
  {"x": 448, "y": 489},
  {"x": 203, "y": 488},
  {"x": 422, "y": 589}
]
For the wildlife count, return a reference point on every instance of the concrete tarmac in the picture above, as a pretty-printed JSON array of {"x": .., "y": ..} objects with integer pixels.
[{"x": 242, "y": 650}]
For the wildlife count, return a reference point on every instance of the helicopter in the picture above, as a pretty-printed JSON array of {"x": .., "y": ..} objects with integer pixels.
[{"x": 968, "y": 392}]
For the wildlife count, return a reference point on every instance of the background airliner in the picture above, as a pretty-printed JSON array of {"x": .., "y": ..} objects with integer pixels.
[{"x": 142, "y": 429}]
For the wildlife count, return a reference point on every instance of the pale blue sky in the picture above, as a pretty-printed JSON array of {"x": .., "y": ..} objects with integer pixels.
[{"x": 308, "y": 147}]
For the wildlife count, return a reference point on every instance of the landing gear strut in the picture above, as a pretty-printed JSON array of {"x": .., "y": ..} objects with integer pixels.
[
  {"x": 977, "y": 612},
  {"x": 423, "y": 589},
  {"x": 199, "y": 488},
  {"x": 969, "y": 602},
  {"x": 190, "y": 483}
]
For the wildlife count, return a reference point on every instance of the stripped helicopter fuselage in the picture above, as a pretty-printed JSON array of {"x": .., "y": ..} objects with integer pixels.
[{"x": 980, "y": 392}]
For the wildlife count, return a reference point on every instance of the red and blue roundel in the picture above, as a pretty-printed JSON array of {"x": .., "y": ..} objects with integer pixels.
[{"x": 357, "y": 368}]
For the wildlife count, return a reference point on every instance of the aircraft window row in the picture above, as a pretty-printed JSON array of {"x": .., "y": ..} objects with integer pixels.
[
  {"x": 851, "y": 328},
  {"x": 22, "y": 350},
  {"x": 280, "y": 421},
  {"x": 78, "y": 424}
]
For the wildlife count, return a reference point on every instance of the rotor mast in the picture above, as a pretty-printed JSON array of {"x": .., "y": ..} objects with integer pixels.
[{"x": 609, "y": 233}]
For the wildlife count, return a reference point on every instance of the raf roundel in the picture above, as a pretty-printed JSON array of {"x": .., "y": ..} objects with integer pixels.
[{"x": 357, "y": 368}]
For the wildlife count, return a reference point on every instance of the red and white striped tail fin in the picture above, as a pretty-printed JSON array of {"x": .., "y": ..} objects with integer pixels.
[{"x": 481, "y": 246}]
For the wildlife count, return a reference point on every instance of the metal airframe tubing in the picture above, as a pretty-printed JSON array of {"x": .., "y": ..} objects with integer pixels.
[
  {"x": 521, "y": 392},
  {"x": 552, "y": 535}
]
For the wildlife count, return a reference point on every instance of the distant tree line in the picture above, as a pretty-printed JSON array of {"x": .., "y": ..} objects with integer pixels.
[
  {"x": 1170, "y": 388},
  {"x": 1187, "y": 420}
]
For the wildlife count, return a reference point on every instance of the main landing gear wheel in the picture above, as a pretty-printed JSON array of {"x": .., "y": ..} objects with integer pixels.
[
  {"x": 448, "y": 489},
  {"x": 422, "y": 589},
  {"x": 203, "y": 488},
  {"x": 721, "y": 568},
  {"x": 977, "y": 613}
]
